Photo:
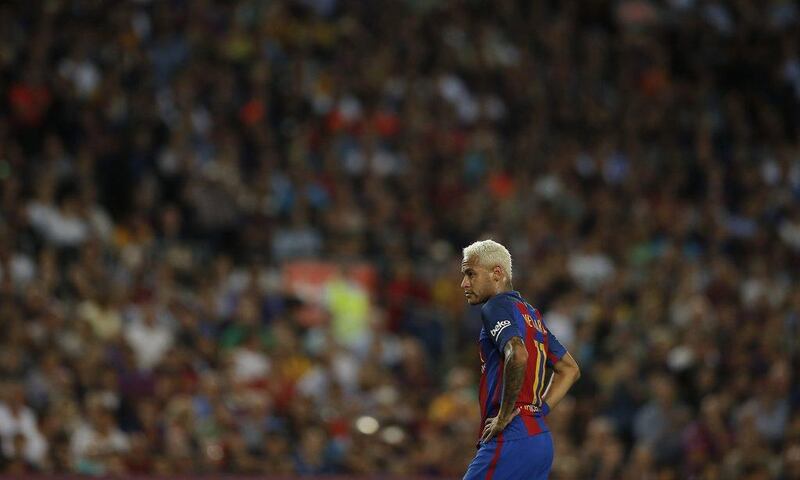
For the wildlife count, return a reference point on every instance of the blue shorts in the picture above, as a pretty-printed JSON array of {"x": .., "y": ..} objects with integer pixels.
[{"x": 528, "y": 458}]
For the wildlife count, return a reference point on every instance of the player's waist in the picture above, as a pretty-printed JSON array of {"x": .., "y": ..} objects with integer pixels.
[
  {"x": 525, "y": 410},
  {"x": 529, "y": 409}
]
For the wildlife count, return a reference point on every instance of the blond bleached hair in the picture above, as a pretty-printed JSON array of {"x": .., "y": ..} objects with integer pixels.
[{"x": 489, "y": 254}]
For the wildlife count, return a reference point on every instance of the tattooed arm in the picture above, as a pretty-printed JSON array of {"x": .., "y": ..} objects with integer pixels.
[{"x": 516, "y": 359}]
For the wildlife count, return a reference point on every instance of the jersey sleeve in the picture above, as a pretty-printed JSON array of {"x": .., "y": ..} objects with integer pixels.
[
  {"x": 499, "y": 323},
  {"x": 553, "y": 347}
]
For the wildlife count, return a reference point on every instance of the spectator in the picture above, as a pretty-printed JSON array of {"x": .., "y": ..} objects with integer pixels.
[
  {"x": 97, "y": 443},
  {"x": 19, "y": 430},
  {"x": 149, "y": 340}
]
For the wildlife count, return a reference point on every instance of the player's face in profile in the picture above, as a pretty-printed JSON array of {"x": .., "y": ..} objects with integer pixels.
[{"x": 476, "y": 281}]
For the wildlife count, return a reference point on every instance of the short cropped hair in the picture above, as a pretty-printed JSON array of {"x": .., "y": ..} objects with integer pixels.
[{"x": 489, "y": 254}]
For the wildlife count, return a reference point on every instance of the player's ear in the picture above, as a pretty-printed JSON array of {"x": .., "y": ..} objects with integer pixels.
[{"x": 497, "y": 274}]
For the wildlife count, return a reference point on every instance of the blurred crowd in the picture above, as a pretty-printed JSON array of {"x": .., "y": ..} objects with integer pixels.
[{"x": 162, "y": 162}]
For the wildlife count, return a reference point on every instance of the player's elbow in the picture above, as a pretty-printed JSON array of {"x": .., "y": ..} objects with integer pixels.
[
  {"x": 574, "y": 371},
  {"x": 568, "y": 367}
]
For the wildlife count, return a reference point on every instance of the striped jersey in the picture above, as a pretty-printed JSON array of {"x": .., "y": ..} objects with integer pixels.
[{"x": 504, "y": 316}]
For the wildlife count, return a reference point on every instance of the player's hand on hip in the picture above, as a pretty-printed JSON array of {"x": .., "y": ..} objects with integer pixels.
[{"x": 495, "y": 425}]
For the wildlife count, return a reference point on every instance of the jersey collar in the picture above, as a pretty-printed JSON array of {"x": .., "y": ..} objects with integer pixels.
[{"x": 512, "y": 293}]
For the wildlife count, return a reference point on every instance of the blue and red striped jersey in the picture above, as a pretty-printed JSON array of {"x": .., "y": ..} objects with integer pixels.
[{"x": 504, "y": 316}]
